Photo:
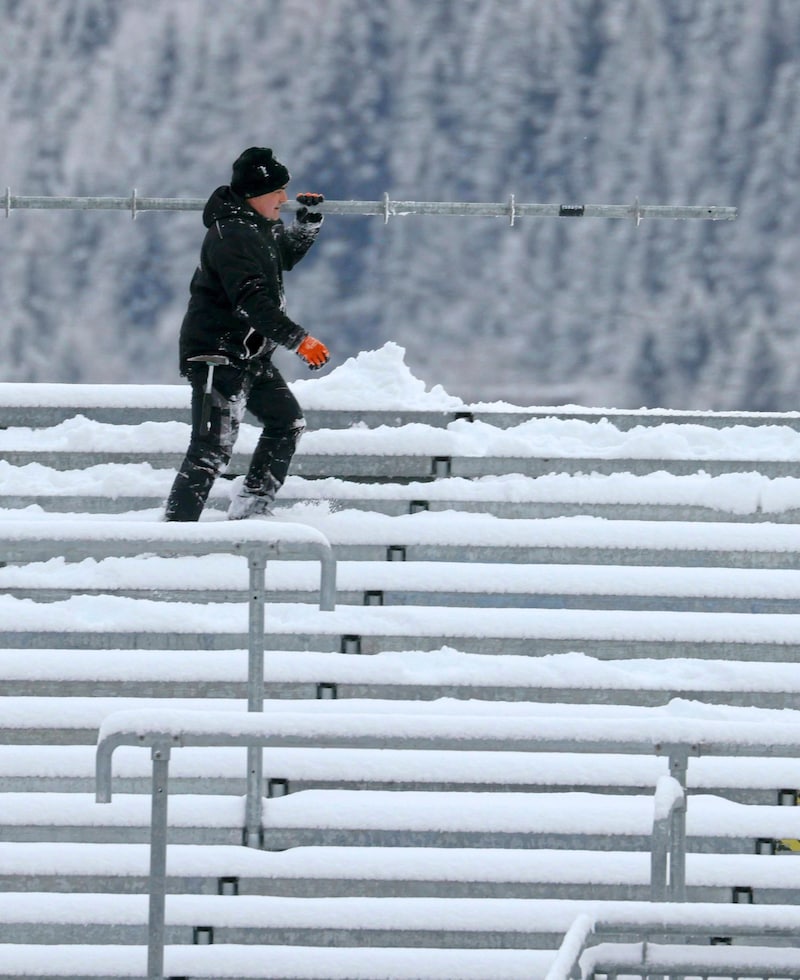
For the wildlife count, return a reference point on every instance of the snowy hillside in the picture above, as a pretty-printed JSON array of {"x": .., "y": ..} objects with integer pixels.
[{"x": 552, "y": 100}]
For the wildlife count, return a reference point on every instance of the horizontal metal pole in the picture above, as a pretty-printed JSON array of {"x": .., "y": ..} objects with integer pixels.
[
  {"x": 663, "y": 737},
  {"x": 511, "y": 210}
]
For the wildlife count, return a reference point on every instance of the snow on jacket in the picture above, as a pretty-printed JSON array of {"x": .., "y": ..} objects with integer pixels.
[{"x": 237, "y": 303}]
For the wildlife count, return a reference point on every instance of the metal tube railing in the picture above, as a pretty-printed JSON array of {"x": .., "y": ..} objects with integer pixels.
[
  {"x": 387, "y": 208},
  {"x": 163, "y": 730},
  {"x": 74, "y": 540}
]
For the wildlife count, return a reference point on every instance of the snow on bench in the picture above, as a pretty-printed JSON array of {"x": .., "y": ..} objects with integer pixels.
[
  {"x": 389, "y": 922},
  {"x": 46, "y": 677},
  {"x": 248, "y": 962},
  {"x": 339, "y": 871},
  {"x": 26, "y": 405},
  {"x": 112, "y": 622},
  {"x": 329, "y": 401},
  {"x": 71, "y": 768},
  {"x": 452, "y": 536},
  {"x": 465, "y": 448},
  {"x": 389, "y": 818},
  {"x": 218, "y": 579},
  {"x": 120, "y": 487}
]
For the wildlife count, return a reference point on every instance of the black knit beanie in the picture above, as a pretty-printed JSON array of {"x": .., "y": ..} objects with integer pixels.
[{"x": 257, "y": 172}]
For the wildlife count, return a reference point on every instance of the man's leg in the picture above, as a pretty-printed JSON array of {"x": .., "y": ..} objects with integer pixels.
[
  {"x": 209, "y": 450},
  {"x": 276, "y": 408}
]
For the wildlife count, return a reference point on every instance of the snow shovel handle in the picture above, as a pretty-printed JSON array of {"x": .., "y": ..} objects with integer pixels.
[{"x": 211, "y": 361}]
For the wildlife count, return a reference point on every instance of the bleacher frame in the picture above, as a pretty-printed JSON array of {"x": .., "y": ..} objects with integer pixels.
[
  {"x": 162, "y": 731},
  {"x": 603, "y": 940}
]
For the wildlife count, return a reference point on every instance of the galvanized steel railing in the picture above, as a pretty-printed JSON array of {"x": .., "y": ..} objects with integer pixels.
[
  {"x": 387, "y": 208},
  {"x": 163, "y": 730},
  {"x": 258, "y": 542}
]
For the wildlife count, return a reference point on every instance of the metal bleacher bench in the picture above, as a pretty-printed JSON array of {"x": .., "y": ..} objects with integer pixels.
[
  {"x": 22, "y": 404},
  {"x": 163, "y": 730}
]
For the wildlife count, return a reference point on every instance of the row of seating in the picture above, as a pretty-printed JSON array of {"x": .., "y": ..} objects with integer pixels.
[{"x": 540, "y": 592}]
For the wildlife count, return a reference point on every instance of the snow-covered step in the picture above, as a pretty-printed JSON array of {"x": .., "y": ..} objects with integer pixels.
[
  {"x": 76, "y": 817},
  {"x": 538, "y": 820},
  {"x": 417, "y": 451},
  {"x": 71, "y": 768},
  {"x": 222, "y": 578},
  {"x": 452, "y": 536},
  {"x": 272, "y": 962},
  {"x": 388, "y": 872},
  {"x": 395, "y": 506},
  {"x": 569, "y": 540},
  {"x": 378, "y": 818},
  {"x": 408, "y": 466},
  {"x": 117, "y": 488},
  {"x": 111, "y": 622},
  {"x": 460, "y": 923},
  {"x": 404, "y": 675},
  {"x": 387, "y": 394},
  {"x": 76, "y": 720}
]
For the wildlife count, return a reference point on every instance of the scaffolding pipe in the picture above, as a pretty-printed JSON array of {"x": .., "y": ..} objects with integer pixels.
[{"x": 387, "y": 208}]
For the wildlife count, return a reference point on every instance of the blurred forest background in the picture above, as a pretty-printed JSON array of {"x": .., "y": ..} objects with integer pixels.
[{"x": 556, "y": 101}]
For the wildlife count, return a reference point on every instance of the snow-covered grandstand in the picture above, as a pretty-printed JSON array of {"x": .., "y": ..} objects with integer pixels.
[{"x": 550, "y": 729}]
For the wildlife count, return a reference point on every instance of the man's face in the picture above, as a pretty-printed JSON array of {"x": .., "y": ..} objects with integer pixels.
[{"x": 269, "y": 205}]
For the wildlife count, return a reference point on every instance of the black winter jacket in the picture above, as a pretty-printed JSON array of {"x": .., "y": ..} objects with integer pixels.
[{"x": 237, "y": 301}]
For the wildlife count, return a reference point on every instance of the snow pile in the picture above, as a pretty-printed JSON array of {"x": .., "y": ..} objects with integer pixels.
[{"x": 377, "y": 380}]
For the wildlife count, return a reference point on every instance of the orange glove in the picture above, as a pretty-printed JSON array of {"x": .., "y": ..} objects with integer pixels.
[{"x": 313, "y": 352}]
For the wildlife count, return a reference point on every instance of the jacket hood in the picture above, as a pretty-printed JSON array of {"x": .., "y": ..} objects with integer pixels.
[{"x": 223, "y": 204}]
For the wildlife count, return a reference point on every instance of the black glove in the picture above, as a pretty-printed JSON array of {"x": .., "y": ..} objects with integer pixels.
[{"x": 303, "y": 215}]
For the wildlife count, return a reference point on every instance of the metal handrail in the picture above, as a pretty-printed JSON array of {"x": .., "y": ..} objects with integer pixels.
[
  {"x": 386, "y": 208},
  {"x": 675, "y": 921},
  {"x": 164, "y": 730},
  {"x": 259, "y": 542}
]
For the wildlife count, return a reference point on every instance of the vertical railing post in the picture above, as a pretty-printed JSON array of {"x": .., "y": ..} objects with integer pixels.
[
  {"x": 659, "y": 850},
  {"x": 668, "y": 847},
  {"x": 158, "y": 861},
  {"x": 327, "y": 583},
  {"x": 257, "y": 564},
  {"x": 678, "y": 767}
]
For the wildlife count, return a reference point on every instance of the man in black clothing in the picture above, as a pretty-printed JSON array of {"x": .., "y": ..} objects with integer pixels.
[{"x": 237, "y": 315}]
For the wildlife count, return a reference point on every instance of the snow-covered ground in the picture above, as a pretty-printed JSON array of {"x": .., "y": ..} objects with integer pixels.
[{"x": 380, "y": 380}]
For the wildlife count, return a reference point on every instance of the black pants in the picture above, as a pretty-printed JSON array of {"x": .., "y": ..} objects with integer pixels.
[{"x": 260, "y": 388}]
